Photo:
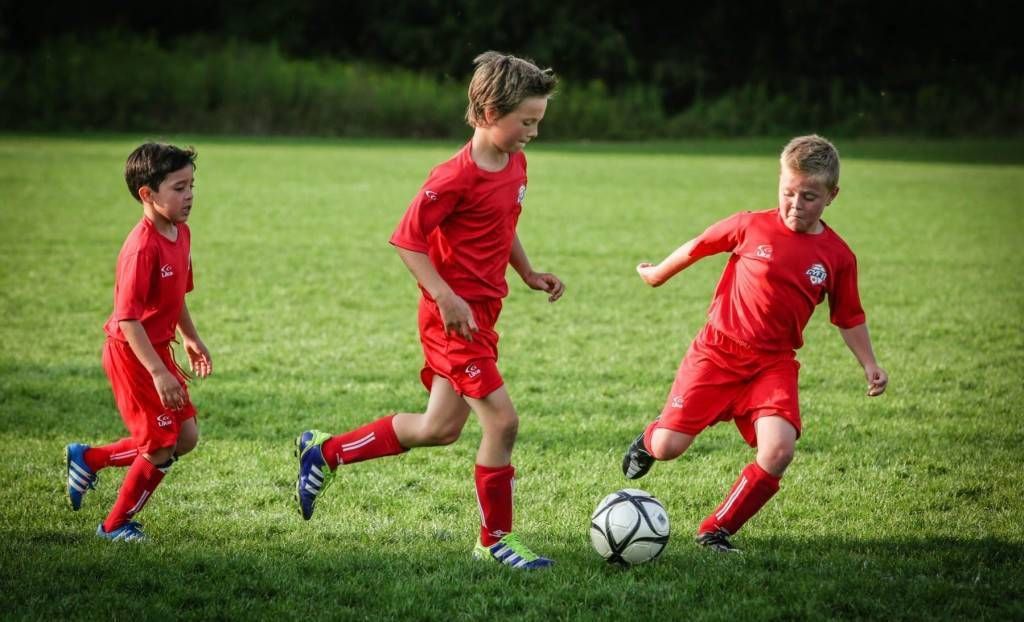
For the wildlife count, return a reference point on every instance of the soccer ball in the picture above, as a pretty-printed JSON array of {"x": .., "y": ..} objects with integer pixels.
[{"x": 629, "y": 527}]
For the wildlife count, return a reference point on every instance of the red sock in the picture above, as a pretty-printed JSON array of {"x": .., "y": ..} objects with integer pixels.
[
  {"x": 136, "y": 489},
  {"x": 373, "y": 440},
  {"x": 494, "y": 487},
  {"x": 119, "y": 453},
  {"x": 648, "y": 434},
  {"x": 748, "y": 495}
]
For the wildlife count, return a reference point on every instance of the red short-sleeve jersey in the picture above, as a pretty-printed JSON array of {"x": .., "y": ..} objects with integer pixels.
[
  {"x": 464, "y": 218},
  {"x": 153, "y": 276},
  {"x": 776, "y": 277}
]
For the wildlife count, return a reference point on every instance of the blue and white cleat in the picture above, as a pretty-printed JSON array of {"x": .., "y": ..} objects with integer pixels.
[
  {"x": 511, "y": 552},
  {"x": 314, "y": 474},
  {"x": 129, "y": 532},
  {"x": 80, "y": 477}
]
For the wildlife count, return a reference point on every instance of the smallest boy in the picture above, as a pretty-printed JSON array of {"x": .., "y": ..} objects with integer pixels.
[
  {"x": 783, "y": 262},
  {"x": 154, "y": 272}
]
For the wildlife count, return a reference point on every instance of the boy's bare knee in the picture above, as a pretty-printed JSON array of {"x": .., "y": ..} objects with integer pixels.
[
  {"x": 668, "y": 445},
  {"x": 444, "y": 435},
  {"x": 775, "y": 458},
  {"x": 161, "y": 455}
]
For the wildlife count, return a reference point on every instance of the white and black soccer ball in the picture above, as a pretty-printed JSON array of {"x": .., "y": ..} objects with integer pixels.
[{"x": 629, "y": 527}]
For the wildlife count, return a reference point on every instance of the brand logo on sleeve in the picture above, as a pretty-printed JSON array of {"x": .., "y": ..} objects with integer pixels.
[
  {"x": 764, "y": 251},
  {"x": 677, "y": 401},
  {"x": 522, "y": 194},
  {"x": 430, "y": 194},
  {"x": 166, "y": 271},
  {"x": 817, "y": 274}
]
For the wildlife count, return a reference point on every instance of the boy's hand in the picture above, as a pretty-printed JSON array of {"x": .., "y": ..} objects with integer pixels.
[
  {"x": 545, "y": 282},
  {"x": 456, "y": 315},
  {"x": 877, "y": 380},
  {"x": 169, "y": 389},
  {"x": 198, "y": 357},
  {"x": 649, "y": 273}
]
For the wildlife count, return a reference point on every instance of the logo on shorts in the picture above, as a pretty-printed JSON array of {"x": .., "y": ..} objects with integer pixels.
[
  {"x": 166, "y": 270},
  {"x": 430, "y": 194},
  {"x": 164, "y": 420},
  {"x": 817, "y": 274},
  {"x": 677, "y": 401},
  {"x": 522, "y": 194},
  {"x": 764, "y": 251},
  {"x": 472, "y": 370}
]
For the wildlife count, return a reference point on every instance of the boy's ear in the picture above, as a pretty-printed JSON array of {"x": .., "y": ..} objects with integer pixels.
[
  {"x": 490, "y": 116},
  {"x": 145, "y": 192},
  {"x": 835, "y": 193}
]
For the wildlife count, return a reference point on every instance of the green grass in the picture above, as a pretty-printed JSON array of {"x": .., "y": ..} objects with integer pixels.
[{"x": 906, "y": 506}]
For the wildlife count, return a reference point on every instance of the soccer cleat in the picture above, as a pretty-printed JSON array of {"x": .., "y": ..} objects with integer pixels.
[
  {"x": 129, "y": 532},
  {"x": 314, "y": 474},
  {"x": 637, "y": 461},
  {"x": 511, "y": 552},
  {"x": 717, "y": 540},
  {"x": 80, "y": 477}
]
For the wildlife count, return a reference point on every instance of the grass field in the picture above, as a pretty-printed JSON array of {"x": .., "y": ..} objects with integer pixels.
[{"x": 907, "y": 506}]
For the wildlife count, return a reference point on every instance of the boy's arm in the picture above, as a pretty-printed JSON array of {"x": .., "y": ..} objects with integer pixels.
[
  {"x": 859, "y": 342},
  {"x": 679, "y": 260},
  {"x": 543, "y": 281},
  {"x": 198, "y": 355},
  {"x": 455, "y": 312},
  {"x": 167, "y": 385}
]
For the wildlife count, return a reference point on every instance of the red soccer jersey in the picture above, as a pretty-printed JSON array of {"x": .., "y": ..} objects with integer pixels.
[
  {"x": 775, "y": 277},
  {"x": 153, "y": 276},
  {"x": 464, "y": 218}
]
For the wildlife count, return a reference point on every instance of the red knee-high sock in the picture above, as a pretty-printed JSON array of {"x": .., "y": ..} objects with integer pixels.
[
  {"x": 373, "y": 440},
  {"x": 751, "y": 491},
  {"x": 119, "y": 453},
  {"x": 494, "y": 488},
  {"x": 139, "y": 483},
  {"x": 648, "y": 433}
]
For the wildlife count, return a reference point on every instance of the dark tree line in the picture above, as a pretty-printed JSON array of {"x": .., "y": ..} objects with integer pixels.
[{"x": 689, "y": 51}]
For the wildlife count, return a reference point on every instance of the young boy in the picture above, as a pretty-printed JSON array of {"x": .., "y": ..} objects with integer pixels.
[
  {"x": 457, "y": 238},
  {"x": 742, "y": 365},
  {"x": 154, "y": 272}
]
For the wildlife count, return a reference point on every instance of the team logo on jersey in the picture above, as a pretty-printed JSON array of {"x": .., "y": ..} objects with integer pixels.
[
  {"x": 166, "y": 270},
  {"x": 817, "y": 274},
  {"x": 430, "y": 194},
  {"x": 522, "y": 194},
  {"x": 164, "y": 420},
  {"x": 677, "y": 401},
  {"x": 764, "y": 251},
  {"x": 472, "y": 370}
]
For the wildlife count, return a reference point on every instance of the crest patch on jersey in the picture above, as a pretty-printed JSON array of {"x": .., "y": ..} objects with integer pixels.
[{"x": 817, "y": 274}]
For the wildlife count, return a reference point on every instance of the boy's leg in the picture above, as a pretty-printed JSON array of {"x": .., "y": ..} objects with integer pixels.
[
  {"x": 757, "y": 483},
  {"x": 495, "y": 483},
  {"x": 320, "y": 454},
  {"x": 144, "y": 475},
  {"x": 83, "y": 464}
]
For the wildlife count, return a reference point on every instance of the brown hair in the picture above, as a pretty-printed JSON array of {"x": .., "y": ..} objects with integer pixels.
[
  {"x": 813, "y": 155},
  {"x": 151, "y": 163},
  {"x": 501, "y": 82}
]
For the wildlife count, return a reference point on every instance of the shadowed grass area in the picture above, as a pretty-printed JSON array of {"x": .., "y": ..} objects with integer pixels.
[{"x": 906, "y": 506}]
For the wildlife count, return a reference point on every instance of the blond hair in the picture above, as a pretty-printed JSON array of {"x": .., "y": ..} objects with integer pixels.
[
  {"x": 812, "y": 155},
  {"x": 501, "y": 82}
]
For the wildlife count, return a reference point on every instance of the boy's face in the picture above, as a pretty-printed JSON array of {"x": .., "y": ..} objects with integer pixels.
[
  {"x": 173, "y": 199},
  {"x": 802, "y": 199},
  {"x": 511, "y": 132}
]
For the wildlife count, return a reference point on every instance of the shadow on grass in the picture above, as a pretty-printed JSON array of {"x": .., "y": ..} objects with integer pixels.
[{"x": 410, "y": 577}]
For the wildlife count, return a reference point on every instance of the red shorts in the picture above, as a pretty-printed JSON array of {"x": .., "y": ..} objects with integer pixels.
[
  {"x": 720, "y": 379},
  {"x": 471, "y": 366},
  {"x": 150, "y": 424}
]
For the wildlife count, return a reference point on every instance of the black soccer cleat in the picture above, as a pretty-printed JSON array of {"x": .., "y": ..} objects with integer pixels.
[
  {"x": 637, "y": 461},
  {"x": 717, "y": 541}
]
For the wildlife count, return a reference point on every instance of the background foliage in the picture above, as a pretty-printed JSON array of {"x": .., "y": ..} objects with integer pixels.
[{"x": 400, "y": 68}]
